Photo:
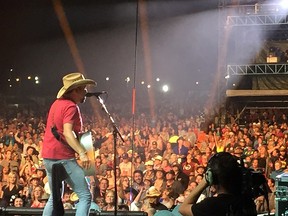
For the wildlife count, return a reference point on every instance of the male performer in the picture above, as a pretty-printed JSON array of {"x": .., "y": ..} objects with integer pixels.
[{"x": 60, "y": 144}]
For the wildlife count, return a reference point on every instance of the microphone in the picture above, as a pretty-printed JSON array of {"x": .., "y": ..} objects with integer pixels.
[{"x": 96, "y": 94}]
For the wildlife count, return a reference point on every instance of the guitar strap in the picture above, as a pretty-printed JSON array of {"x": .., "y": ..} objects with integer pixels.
[{"x": 55, "y": 133}]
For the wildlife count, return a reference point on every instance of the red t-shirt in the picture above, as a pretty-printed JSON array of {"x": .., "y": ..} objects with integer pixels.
[{"x": 62, "y": 111}]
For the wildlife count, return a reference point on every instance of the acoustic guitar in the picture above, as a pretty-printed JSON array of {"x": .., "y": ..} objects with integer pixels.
[{"x": 86, "y": 141}]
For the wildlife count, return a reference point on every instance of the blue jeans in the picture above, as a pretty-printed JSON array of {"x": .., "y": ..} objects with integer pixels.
[{"x": 76, "y": 180}]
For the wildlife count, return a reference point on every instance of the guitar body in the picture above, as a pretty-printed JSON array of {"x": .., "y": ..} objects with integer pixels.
[{"x": 87, "y": 142}]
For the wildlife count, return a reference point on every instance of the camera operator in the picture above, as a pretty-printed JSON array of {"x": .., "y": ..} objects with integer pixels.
[{"x": 225, "y": 174}]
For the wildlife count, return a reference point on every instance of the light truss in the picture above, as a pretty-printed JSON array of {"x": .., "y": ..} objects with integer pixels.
[
  {"x": 257, "y": 69},
  {"x": 257, "y": 19}
]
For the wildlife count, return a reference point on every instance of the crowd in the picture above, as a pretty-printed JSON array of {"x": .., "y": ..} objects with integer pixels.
[{"x": 159, "y": 163}]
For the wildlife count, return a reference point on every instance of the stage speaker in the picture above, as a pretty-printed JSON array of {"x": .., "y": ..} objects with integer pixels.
[
  {"x": 68, "y": 212},
  {"x": 281, "y": 195}
]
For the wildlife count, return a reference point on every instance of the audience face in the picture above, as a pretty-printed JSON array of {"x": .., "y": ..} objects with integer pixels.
[
  {"x": 180, "y": 143},
  {"x": 271, "y": 183},
  {"x": 198, "y": 178},
  {"x": 8, "y": 155},
  {"x": 147, "y": 183},
  {"x": 277, "y": 165},
  {"x": 154, "y": 146},
  {"x": 189, "y": 156},
  {"x": 168, "y": 146},
  {"x": 97, "y": 160},
  {"x": 169, "y": 176},
  {"x": 187, "y": 192},
  {"x": 255, "y": 154},
  {"x": 128, "y": 197},
  {"x": 165, "y": 163},
  {"x": 109, "y": 173},
  {"x": 125, "y": 182},
  {"x": 30, "y": 151},
  {"x": 109, "y": 198},
  {"x": 138, "y": 159},
  {"x": 137, "y": 178},
  {"x": 192, "y": 185},
  {"x": 204, "y": 159},
  {"x": 255, "y": 164},
  {"x": 100, "y": 202},
  {"x": 157, "y": 162},
  {"x": 118, "y": 172},
  {"x": 5, "y": 170},
  {"x": 12, "y": 178},
  {"x": 37, "y": 193},
  {"x": 18, "y": 202},
  {"x": 66, "y": 197},
  {"x": 200, "y": 170},
  {"x": 175, "y": 169},
  {"x": 103, "y": 185},
  {"x": 27, "y": 170},
  {"x": 125, "y": 160},
  {"x": 165, "y": 194},
  {"x": 149, "y": 167},
  {"x": 160, "y": 174},
  {"x": 35, "y": 182},
  {"x": 40, "y": 173},
  {"x": 282, "y": 153}
]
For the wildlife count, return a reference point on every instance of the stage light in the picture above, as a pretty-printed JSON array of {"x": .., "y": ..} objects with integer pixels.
[
  {"x": 157, "y": 79},
  {"x": 142, "y": 82},
  {"x": 165, "y": 88},
  {"x": 148, "y": 86},
  {"x": 107, "y": 78},
  {"x": 17, "y": 79},
  {"x": 127, "y": 79},
  {"x": 284, "y": 4}
]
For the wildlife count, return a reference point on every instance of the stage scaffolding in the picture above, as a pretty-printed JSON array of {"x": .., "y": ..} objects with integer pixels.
[{"x": 242, "y": 21}]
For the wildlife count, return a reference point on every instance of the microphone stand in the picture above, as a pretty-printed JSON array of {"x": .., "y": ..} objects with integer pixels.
[{"x": 115, "y": 132}]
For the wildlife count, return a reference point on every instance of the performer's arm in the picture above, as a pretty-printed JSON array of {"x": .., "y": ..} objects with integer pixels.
[{"x": 72, "y": 141}]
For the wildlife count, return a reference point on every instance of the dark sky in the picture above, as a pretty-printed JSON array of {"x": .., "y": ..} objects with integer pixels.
[{"x": 182, "y": 42}]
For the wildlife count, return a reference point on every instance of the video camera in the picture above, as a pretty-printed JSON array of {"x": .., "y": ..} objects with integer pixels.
[{"x": 254, "y": 183}]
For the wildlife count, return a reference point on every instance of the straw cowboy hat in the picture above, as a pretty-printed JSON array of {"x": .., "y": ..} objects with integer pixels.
[
  {"x": 157, "y": 157},
  {"x": 74, "y": 197},
  {"x": 149, "y": 163},
  {"x": 153, "y": 192},
  {"x": 44, "y": 197},
  {"x": 73, "y": 80}
]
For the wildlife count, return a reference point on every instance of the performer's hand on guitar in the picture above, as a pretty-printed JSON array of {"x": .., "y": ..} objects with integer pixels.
[{"x": 84, "y": 160}]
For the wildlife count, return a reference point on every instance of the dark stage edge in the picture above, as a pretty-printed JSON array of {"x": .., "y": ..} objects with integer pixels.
[{"x": 38, "y": 211}]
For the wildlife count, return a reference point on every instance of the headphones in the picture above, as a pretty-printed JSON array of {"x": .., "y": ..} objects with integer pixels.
[
  {"x": 210, "y": 175},
  {"x": 217, "y": 165}
]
